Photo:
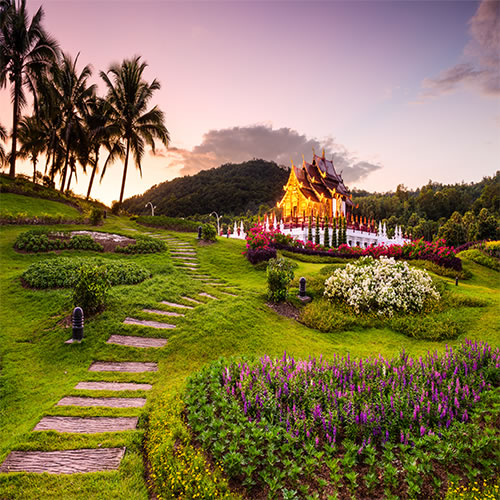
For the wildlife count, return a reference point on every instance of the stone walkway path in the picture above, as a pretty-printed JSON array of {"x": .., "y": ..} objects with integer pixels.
[{"x": 71, "y": 461}]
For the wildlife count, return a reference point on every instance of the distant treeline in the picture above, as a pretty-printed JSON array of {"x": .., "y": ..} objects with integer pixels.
[
  {"x": 229, "y": 189},
  {"x": 458, "y": 212}
]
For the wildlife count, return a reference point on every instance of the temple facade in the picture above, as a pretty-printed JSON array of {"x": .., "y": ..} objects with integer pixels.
[{"x": 314, "y": 189}]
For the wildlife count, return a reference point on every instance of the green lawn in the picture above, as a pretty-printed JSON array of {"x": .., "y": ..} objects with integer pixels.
[
  {"x": 38, "y": 368},
  {"x": 14, "y": 204}
]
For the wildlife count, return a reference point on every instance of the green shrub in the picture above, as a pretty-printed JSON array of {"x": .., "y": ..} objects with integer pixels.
[
  {"x": 431, "y": 327},
  {"x": 84, "y": 242},
  {"x": 96, "y": 216},
  {"x": 208, "y": 232},
  {"x": 63, "y": 272},
  {"x": 440, "y": 270},
  {"x": 170, "y": 223},
  {"x": 481, "y": 258},
  {"x": 279, "y": 276},
  {"x": 143, "y": 244},
  {"x": 492, "y": 248},
  {"x": 91, "y": 289}
]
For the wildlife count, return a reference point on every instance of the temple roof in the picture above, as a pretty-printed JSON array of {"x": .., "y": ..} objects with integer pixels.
[
  {"x": 316, "y": 180},
  {"x": 304, "y": 184}
]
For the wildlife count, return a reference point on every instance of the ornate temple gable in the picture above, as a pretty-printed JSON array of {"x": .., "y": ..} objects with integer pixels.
[
  {"x": 304, "y": 184},
  {"x": 316, "y": 181}
]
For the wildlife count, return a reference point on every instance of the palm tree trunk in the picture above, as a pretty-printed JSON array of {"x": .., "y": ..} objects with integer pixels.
[
  {"x": 124, "y": 172},
  {"x": 69, "y": 180},
  {"x": 17, "y": 91},
  {"x": 34, "y": 169},
  {"x": 65, "y": 169},
  {"x": 94, "y": 170}
]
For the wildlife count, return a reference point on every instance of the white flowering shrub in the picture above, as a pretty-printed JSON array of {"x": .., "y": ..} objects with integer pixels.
[{"x": 384, "y": 286}]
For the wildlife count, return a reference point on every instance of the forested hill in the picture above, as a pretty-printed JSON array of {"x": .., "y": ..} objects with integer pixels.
[{"x": 229, "y": 189}]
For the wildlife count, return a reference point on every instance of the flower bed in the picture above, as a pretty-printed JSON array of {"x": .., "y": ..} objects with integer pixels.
[
  {"x": 277, "y": 424},
  {"x": 383, "y": 286},
  {"x": 436, "y": 252}
]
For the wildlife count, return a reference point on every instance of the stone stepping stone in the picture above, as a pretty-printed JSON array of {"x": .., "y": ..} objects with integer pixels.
[
  {"x": 227, "y": 293},
  {"x": 106, "y": 402},
  {"x": 145, "y": 322},
  {"x": 125, "y": 366},
  {"x": 203, "y": 294},
  {"x": 112, "y": 386},
  {"x": 86, "y": 425},
  {"x": 133, "y": 341},
  {"x": 164, "y": 313},
  {"x": 212, "y": 284},
  {"x": 64, "y": 461},
  {"x": 194, "y": 301},
  {"x": 173, "y": 304}
]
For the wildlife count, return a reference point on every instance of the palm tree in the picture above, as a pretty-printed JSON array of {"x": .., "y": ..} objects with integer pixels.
[
  {"x": 129, "y": 95},
  {"x": 73, "y": 96},
  {"x": 25, "y": 51},
  {"x": 32, "y": 137},
  {"x": 101, "y": 131},
  {"x": 3, "y": 138}
]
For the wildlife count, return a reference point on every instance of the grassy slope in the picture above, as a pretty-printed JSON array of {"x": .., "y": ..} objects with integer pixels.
[
  {"x": 16, "y": 203},
  {"x": 39, "y": 369}
]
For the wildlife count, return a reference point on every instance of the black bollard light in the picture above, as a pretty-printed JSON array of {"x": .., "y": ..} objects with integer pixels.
[
  {"x": 456, "y": 281},
  {"x": 199, "y": 232},
  {"x": 302, "y": 287},
  {"x": 77, "y": 321}
]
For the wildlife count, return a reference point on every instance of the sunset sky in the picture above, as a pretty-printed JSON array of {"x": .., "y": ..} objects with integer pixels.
[{"x": 397, "y": 91}]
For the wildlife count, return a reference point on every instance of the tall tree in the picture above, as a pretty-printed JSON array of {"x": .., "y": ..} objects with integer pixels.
[
  {"x": 101, "y": 131},
  {"x": 129, "y": 96},
  {"x": 32, "y": 137},
  {"x": 73, "y": 96},
  {"x": 25, "y": 51},
  {"x": 3, "y": 138}
]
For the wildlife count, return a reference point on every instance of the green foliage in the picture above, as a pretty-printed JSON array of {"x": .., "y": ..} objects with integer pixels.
[
  {"x": 96, "y": 216},
  {"x": 170, "y": 223},
  {"x": 431, "y": 327},
  {"x": 208, "y": 232},
  {"x": 428, "y": 265},
  {"x": 317, "y": 233},
  {"x": 90, "y": 290},
  {"x": 310, "y": 229},
  {"x": 143, "y": 244},
  {"x": 62, "y": 272},
  {"x": 279, "y": 275},
  {"x": 44, "y": 240},
  {"x": 334, "y": 243},
  {"x": 453, "y": 231},
  {"x": 228, "y": 189},
  {"x": 481, "y": 258},
  {"x": 326, "y": 242}
]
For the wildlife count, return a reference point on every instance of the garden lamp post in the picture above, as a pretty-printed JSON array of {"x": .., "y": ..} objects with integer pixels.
[
  {"x": 152, "y": 208},
  {"x": 218, "y": 217}
]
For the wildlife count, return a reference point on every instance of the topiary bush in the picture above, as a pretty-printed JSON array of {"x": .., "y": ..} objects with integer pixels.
[
  {"x": 208, "y": 232},
  {"x": 63, "y": 272},
  {"x": 91, "y": 289},
  {"x": 279, "y": 275},
  {"x": 96, "y": 216},
  {"x": 257, "y": 255},
  {"x": 143, "y": 244}
]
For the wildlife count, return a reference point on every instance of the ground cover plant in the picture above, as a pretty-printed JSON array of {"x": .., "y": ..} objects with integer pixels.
[
  {"x": 291, "y": 426},
  {"x": 63, "y": 272},
  {"x": 43, "y": 240},
  {"x": 482, "y": 258}
]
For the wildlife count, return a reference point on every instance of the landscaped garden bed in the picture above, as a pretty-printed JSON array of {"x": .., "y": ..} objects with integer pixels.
[
  {"x": 369, "y": 428},
  {"x": 45, "y": 240}
]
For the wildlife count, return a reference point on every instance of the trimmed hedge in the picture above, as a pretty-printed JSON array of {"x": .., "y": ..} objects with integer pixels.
[
  {"x": 170, "y": 223},
  {"x": 63, "y": 272}
]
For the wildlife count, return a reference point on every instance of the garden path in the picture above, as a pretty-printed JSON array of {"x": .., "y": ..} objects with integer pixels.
[{"x": 93, "y": 460}]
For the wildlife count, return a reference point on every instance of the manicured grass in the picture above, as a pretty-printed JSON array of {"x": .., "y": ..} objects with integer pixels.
[
  {"x": 38, "y": 368},
  {"x": 15, "y": 204}
]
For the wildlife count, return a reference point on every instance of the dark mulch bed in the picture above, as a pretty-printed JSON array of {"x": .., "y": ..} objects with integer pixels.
[{"x": 285, "y": 309}]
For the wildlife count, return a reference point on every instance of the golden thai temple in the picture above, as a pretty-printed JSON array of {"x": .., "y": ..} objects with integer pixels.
[{"x": 315, "y": 189}]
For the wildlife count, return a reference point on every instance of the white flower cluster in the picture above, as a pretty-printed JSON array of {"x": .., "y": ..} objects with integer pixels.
[{"x": 383, "y": 286}]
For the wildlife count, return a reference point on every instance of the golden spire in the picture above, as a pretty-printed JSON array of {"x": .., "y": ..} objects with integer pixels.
[{"x": 323, "y": 155}]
